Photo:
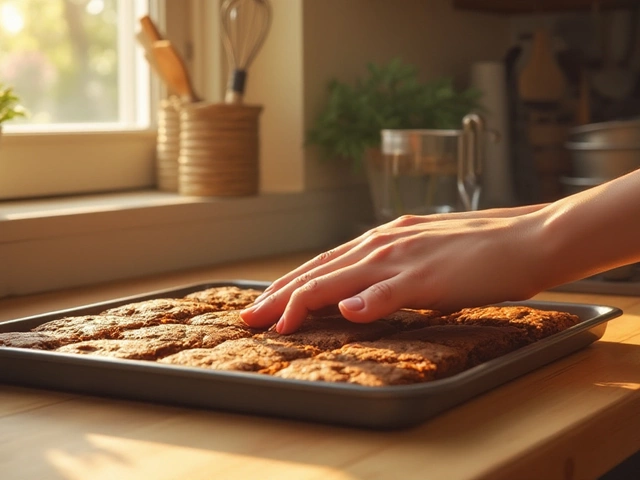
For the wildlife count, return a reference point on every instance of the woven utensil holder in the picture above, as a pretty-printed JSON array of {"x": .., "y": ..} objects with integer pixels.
[
  {"x": 219, "y": 149},
  {"x": 168, "y": 144}
]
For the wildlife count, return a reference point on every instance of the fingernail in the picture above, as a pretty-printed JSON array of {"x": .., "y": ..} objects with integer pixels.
[
  {"x": 280, "y": 325},
  {"x": 354, "y": 303}
]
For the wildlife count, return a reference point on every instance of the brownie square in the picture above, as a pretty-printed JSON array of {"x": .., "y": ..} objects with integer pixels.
[
  {"x": 34, "y": 340},
  {"x": 410, "y": 319},
  {"x": 162, "y": 310},
  {"x": 329, "y": 333},
  {"x": 480, "y": 343},
  {"x": 89, "y": 327},
  {"x": 226, "y": 298},
  {"x": 536, "y": 323},
  {"x": 127, "y": 349},
  {"x": 188, "y": 336},
  {"x": 430, "y": 361},
  {"x": 247, "y": 355},
  {"x": 223, "y": 319},
  {"x": 365, "y": 373}
]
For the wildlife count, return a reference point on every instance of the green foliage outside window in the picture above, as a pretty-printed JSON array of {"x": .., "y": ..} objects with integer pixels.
[{"x": 391, "y": 96}]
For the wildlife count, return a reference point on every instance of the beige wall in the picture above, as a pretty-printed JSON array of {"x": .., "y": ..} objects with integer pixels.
[
  {"x": 312, "y": 41},
  {"x": 276, "y": 80}
]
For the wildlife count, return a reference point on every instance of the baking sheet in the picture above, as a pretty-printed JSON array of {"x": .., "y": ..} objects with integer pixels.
[{"x": 252, "y": 393}]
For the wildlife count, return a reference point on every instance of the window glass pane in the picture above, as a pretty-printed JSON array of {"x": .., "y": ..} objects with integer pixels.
[{"x": 71, "y": 61}]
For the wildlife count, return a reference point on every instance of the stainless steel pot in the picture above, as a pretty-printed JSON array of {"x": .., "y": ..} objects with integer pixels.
[
  {"x": 589, "y": 160},
  {"x": 571, "y": 185},
  {"x": 615, "y": 133}
]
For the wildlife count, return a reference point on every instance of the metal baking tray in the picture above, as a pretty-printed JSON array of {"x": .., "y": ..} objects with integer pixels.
[{"x": 390, "y": 407}]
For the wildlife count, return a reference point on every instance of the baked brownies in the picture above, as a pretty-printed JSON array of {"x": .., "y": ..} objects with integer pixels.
[{"x": 204, "y": 330}]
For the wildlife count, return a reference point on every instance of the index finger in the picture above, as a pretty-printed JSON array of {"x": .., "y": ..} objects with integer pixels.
[{"x": 317, "y": 261}]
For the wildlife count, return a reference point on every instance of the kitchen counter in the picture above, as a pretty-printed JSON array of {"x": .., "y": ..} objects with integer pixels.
[{"x": 573, "y": 419}]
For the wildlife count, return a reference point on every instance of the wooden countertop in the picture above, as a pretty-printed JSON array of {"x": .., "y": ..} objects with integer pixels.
[{"x": 573, "y": 419}]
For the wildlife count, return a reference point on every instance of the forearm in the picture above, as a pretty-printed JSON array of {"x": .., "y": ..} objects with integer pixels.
[{"x": 591, "y": 232}]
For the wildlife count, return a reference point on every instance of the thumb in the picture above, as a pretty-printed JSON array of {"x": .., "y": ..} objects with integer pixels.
[{"x": 373, "y": 303}]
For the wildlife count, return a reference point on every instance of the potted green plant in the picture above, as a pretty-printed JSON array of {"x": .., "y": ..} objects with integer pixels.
[
  {"x": 10, "y": 107},
  {"x": 389, "y": 97}
]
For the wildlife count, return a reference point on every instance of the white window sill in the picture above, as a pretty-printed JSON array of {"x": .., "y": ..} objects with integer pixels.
[{"x": 58, "y": 243}]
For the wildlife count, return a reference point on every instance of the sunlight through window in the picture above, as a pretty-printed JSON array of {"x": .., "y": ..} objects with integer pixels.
[{"x": 75, "y": 63}]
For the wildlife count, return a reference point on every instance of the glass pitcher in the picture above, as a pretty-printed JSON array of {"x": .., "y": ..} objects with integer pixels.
[{"x": 422, "y": 172}]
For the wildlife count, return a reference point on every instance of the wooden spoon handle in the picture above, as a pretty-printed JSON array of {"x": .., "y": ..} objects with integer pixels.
[
  {"x": 173, "y": 70},
  {"x": 150, "y": 30}
]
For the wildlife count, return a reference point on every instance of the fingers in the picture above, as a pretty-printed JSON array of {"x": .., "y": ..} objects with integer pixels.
[
  {"x": 361, "y": 298},
  {"x": 348, "y": 252},
  {"x": 335, "y": 265},
  {"x": 265, "y": 313},
  {"x": 316, "y": 262},
  {"x": 290, "y": 305},
  {"x": 269, "y": 306},
  {"x": 272, "y": 308}
]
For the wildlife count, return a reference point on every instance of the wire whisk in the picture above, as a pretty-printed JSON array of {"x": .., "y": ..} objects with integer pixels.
[{"x": 245, "y": 25}]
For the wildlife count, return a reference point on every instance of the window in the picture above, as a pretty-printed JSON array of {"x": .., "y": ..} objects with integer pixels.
[
  {"x": 74, "y": 64},
  {"x": 81, "y": 73}
]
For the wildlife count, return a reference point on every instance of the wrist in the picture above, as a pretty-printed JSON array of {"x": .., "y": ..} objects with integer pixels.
[
  {"x": 584, "y": 234},
  {"x": 537, "y": 245}
]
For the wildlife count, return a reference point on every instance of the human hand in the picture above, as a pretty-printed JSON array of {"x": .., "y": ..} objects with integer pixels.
[{"x": 441, "y": 262}]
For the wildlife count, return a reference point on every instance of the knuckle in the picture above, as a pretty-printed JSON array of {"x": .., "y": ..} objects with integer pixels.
[
  {"x": 305, "y": 295},
  {"x": 271, "y": 299},
  {"x": 325, "y": 257},
  {"x": 382, "y": 292},
  {"x": 368, "y": 234},
  {"x": 382, "y": 253},
  {"x": 375, "y": 239},
  {"x": 311, "y": 286},
  {"x": 303, "y": 279},
  {"x": 306, "y": 289},
  {"x": 404, "y": 221}
]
